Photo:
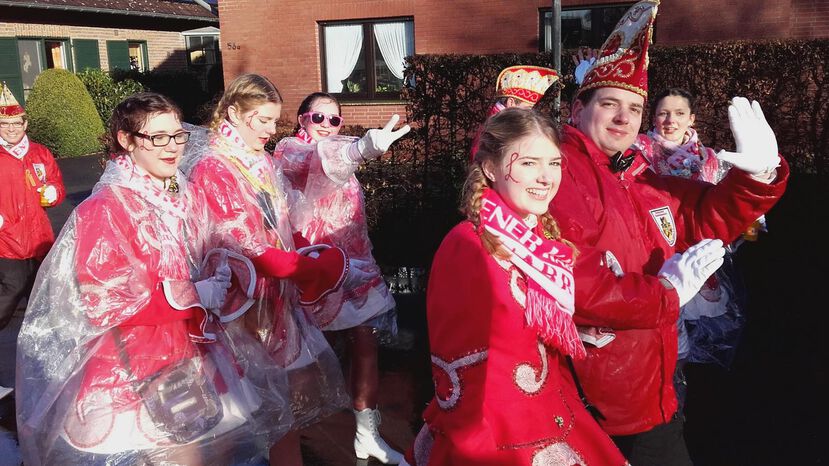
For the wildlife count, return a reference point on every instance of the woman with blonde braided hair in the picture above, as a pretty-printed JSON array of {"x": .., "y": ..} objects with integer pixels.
[{"x": 499, "y": 308}]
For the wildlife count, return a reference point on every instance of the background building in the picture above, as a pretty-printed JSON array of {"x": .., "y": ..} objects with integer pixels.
[
  {"x": 107, "y": 34},
  {"x": 354, "y": 48}
]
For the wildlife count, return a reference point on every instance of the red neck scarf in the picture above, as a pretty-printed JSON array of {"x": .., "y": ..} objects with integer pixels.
[{"x": 548, "y": 266}]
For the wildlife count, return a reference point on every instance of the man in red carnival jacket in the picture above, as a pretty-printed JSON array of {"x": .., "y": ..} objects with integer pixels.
[
  {"x": 30, "y": 181},
  {"x": 619, "y": 212}
]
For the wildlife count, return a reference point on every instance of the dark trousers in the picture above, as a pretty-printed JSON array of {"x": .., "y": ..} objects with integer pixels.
[
  {"x": 16, "y": 279},
  {"x": 664, "y": 445}
]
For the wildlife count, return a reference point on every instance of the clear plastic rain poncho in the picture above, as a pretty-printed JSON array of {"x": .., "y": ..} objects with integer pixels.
[
  {"x": 327, "y": 206},
  {"x": 248, "y": 214},
  {"x": 711, "y": 323},
  {"x": 117, "y": 362}
]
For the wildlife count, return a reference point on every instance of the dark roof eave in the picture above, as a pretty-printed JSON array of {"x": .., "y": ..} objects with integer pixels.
[{"x": 43, "y": 6}]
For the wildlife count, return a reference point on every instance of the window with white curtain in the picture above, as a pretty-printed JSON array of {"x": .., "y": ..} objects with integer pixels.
[{"x": 365, "y": 60}]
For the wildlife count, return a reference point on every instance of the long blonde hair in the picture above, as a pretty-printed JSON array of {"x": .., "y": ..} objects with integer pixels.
[
  {"x": 246, "y": 92},
  {"x": 499, "y": 132}
]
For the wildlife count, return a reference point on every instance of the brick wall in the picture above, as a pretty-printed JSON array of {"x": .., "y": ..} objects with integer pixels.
[
  {"x": 282, "y": 41},
  {"x": 166, "y": 49}
]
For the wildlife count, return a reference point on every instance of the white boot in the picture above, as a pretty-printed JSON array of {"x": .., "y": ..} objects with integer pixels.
[{"x": 367, "y": 441}]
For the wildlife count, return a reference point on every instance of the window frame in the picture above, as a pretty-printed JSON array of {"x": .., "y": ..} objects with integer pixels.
[
  {"x": 145, "y": 52},
  {"x": 596, "y": 36},
  {"x": 217, "y": 54},
  {"x": 66, "y": 53},
  {"x": 371, "y": 95}
]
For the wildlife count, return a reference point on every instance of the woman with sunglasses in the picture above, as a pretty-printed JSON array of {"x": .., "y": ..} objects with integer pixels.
[
  {"x": 327, "y": 207},
  {"x": 118, "y": 356},
  {"x": 248, "y": 213}
]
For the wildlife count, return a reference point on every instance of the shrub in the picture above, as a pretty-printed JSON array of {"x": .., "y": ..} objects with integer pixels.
[
  {"x": 62, "y": 115},
  {"x": 412, "y": 193},
  {"x": 106, "y": 92},
  {"x": 183, "y": 87}
]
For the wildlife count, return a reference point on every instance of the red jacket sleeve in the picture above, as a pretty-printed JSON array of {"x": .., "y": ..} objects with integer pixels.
[
  {"x": 724, "y": 210},
  {"x": 632, "y": 301},
  {"x": 53, "y": 175}
]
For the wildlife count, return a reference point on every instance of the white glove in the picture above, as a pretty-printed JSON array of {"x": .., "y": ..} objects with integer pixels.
[
  {"x": 1, "y": 221},
  {"x": 377, "y": 141},
  {"x": 756, "y": 143},
  {"x": 213, "y": 291},
  {"x": 688, "y": 272},
  {"x": 359, "y": 273},
  {"x": 50, "y": 193},
  {"x": 583, "y": 63}
]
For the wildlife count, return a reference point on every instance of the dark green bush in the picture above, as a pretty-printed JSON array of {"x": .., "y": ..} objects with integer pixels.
[
  {"x": 412, "y": 193},
  {"x": 106, "y": 92},
  {"x": 183, "y": 87},
  {"x": 62, "y": 115}
]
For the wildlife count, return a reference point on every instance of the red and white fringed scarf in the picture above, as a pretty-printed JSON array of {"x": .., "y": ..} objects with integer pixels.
[
  {"x": 303, "y": 136},
  {"x": 17, "y": 150},
  {"x": 548, "y": 266}
]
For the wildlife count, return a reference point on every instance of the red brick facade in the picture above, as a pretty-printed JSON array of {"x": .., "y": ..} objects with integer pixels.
[{"x": 283, "y": 42}]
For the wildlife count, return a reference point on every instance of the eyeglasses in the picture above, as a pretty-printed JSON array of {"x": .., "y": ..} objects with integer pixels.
[
  {"x": 317, "y": 118},
  {"x": 161, "y": 140},
  {"x": 12, "y": 124}
]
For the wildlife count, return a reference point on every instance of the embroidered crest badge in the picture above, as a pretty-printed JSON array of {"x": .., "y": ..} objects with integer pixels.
[
  {"x": 40, "y": 171},
  {"x": 665, "y": 222}
]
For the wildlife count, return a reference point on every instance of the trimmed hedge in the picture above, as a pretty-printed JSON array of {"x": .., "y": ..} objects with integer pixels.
[
  {"x": 412, "y": 193},
  {"x": 62, "y": 115},
  {"x": 106, "y": 92}
]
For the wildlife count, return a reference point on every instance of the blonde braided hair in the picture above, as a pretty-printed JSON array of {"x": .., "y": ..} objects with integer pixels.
[{"x": 498, "y": 133}]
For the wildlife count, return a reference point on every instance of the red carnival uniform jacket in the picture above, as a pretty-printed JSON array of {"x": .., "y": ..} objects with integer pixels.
[
  {"x": 641, "y": 218},
  {"x": 26, "y": 232},
  {"x": 500, "y": 398}
]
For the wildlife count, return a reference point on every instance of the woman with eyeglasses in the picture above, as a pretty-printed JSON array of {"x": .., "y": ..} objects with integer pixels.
[
  {"x": 118, "y": 357},
  {"x": 327, "y": 206}
]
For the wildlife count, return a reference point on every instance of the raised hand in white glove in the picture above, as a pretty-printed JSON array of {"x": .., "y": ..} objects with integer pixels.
[
  {"x": 756, "y": 144},
  {"x": 213, "y": 291},
  {"x": 359, "y": 273},
  {"x": 377, "y": 141},
  {"x": 584, "y": 61},
  {"x": 50, "y": 194},
  {"x": 687, "y": 272}
]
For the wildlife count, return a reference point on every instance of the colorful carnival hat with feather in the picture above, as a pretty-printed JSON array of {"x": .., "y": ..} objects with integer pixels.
[
  {"x": 623, "y": 59},
  {"x": 527, "y": 83},
  {"x": 9, "y": 107}
]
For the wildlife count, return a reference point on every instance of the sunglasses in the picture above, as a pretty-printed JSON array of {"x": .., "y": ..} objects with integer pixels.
[
  {"x": 161, "y": 140},
  {"x": 317, "y": 118}
]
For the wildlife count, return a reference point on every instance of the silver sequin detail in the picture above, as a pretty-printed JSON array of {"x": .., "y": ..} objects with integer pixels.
[
  {"x": 557, "y": 454},
  {"x": 451, "y": 369},
  {"x": 524, "y": 373}
]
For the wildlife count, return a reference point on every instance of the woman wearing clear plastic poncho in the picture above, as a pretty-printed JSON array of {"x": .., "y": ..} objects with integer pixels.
[
  {"x": 118, "y": 358},
  {"x": 326, "y": 205},
  {"x": 248, "y": 214}
]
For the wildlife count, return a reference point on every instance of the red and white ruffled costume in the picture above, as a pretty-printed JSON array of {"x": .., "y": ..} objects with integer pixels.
[
  {"x": 247, "y": 213},
  {"x": 327, "y": 206},
  {"x": 114, "y": 304}
]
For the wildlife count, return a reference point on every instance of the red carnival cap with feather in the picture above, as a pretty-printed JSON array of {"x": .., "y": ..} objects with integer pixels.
[
  {"x": 9, "y": 107},
  {"x": 525, "y": 82},
  {"x": 623, "y": 59}
]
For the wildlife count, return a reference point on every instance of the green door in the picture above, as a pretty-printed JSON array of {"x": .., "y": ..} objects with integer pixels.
[
  {"x": 10, "y": 66},
  {"x": 118, "y": 54},
  {"x": 86, "y": 54}
]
